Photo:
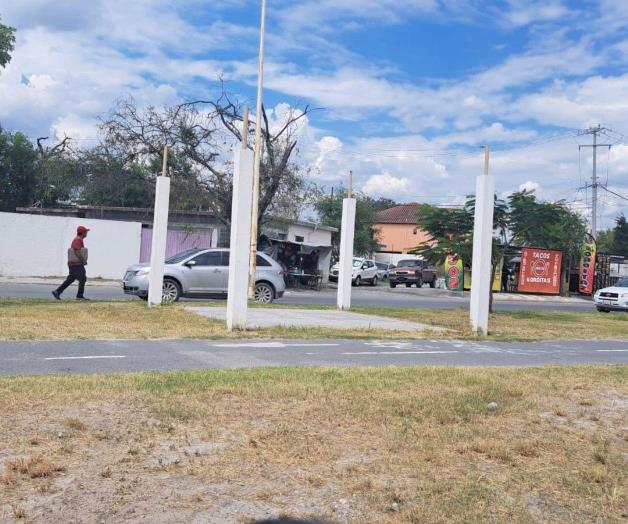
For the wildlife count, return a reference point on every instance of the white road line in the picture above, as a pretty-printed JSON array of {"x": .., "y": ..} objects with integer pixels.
[
  {"x": 90, "y": 357},
  {"x": 612, "y": 350},
  {"x": 399, "y": 352},
  {"x": 270, "y": 345}
]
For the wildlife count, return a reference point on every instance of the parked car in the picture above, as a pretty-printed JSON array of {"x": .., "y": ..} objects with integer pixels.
[
  {"x": 363, "y": 270},
  {"x": 614, "y": 298},
  {"x": 204, "y": 272},
  {"x": 412, "y": 272},
  {"x": 383, "y": 270}
]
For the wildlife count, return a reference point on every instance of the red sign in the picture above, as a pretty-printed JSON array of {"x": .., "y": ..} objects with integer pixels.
[{"x": 540, "y": 270}]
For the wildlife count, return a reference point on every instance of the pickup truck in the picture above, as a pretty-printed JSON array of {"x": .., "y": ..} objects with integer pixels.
[{"x": 410, "y": 272}]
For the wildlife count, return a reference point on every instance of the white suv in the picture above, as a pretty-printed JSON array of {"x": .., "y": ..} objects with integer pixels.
[
  {"x": 614, "y": 298},
  {"x": 364, "y": 270}
]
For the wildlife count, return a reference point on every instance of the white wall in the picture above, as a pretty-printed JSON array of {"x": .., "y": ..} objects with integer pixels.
[
  {"x": 312, "y": 236},
  {"x": 37, "y": 246}
]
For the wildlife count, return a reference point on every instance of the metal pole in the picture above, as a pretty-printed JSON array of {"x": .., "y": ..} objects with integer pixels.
[
  {"x": 350, "y": 191},
  {"x": 257, "y": 155},
  {"x": 486, "y": 158},
  {"x": 594, "y": 186}
]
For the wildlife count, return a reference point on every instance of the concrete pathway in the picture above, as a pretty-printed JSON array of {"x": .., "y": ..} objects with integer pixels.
[
  {"x": 315, "y": 318},
  {"x": 116, "y": 356}
]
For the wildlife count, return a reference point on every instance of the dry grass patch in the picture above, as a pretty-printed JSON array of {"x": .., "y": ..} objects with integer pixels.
[
  {"x": 350, "y": 445},
  {"x": 51, "y": 320}
]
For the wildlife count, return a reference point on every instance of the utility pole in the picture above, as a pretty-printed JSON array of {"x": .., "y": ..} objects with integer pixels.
[
  {"x": 257, "y": 155},
  {"x": 595, "y": 131}
]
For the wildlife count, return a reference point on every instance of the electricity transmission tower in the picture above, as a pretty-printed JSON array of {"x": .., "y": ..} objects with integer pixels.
[{"x": 595, "y": 131}]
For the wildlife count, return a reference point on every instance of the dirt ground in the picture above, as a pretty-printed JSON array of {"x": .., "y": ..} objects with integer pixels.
[{"x": 349, "y": 446}]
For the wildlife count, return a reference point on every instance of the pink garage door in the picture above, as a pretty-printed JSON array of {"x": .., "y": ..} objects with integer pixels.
[{"x": 178, "y": 240}]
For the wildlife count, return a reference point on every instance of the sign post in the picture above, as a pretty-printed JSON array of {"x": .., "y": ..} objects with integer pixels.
[
  {"x": 241, "y": 203},
  {"x": 160, "y": 233},
  {"x": 482, "y": 249},
  {"x": 347, "y": 232}
]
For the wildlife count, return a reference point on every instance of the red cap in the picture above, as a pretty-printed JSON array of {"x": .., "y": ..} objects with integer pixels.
[{"x": 81, "y": 229}]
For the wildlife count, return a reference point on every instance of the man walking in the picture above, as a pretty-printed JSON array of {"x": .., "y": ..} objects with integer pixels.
[{"x": 77, "y": 260}]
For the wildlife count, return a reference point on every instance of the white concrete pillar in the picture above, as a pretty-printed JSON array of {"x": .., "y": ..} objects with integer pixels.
[
  {"x": 158, "y": 246},
  {"x": 240, "y": 239},
  {"x": 482, "y": 252},
  {"x": 347, "y": 232}
]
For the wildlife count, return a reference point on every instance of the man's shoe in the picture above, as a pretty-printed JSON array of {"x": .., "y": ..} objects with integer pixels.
[
  {"x": 83, "y": 298},
  {"x": 56, "y": 294}
]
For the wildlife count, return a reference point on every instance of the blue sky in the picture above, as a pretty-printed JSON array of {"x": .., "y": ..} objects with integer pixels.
[{"x": 408, "y": 89}]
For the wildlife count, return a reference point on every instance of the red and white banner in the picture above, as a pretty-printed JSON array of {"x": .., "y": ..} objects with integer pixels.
[{"x": 540, "y": 270}]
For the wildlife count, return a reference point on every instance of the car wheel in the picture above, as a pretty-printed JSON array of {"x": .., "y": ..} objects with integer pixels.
[
  {"x": 357, "y": 281},
  {"x": 171, "y": 291},
  {"x": 393, "y": 285},
  {"x": 374, "y": 281},
  {"x": 433, "y": 284},
  {"x": 419, "y": 283},
  {"x": 602, "y": 310},
  {"x": 143, "y": 298},
  {"x": 264, "y": 293}
]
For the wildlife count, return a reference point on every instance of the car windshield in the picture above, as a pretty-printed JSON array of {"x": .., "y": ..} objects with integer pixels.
[
  {"x": 622, "y": 282},
  {"x": 179, "y": 257},
  {"x": 357, "y": 262},
  {"x": 409, "y": 263},
  {"x": 381, "y": 265}
]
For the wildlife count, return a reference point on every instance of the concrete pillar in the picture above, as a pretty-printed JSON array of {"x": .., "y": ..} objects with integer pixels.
[
  {"x": 347, "y": 232},
  {"x": 482, "y": 252},
  {"x": 158, "y": 246},
  {"x": 240, "y": 239}
]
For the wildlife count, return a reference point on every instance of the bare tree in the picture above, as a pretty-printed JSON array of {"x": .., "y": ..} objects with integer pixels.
[{"x": 204, "y": 132}]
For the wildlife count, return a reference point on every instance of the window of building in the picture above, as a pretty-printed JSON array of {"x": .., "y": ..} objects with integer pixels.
[{"x": 298, "y": 238}]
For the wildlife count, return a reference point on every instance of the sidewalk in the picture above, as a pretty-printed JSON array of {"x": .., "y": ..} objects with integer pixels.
[{"x": 56, "y": 281}]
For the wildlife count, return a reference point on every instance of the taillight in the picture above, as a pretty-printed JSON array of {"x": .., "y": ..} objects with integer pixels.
[{"x": 281, "y": 272}]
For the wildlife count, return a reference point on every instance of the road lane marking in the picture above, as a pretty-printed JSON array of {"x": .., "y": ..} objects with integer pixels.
[
  {"x": 89, "y": 357},
  {"x": 399, "y": 352},
  {"x": 270, "y": 345},
  {"x": 612, "y": 350}
]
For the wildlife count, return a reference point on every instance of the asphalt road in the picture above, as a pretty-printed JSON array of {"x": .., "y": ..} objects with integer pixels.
[
  {"x": 380, "y": 296},
  {"x": 77, "y": 357}
]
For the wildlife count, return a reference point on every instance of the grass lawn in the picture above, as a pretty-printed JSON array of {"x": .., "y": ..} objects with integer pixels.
[
  {"x": 46, "y": 320},
  {"x": 388, "y": 445}
]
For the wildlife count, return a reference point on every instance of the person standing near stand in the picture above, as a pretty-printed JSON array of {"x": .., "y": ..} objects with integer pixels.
[{"x": 77, "y": 260}]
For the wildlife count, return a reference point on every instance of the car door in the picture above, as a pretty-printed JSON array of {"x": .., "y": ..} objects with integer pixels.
[
  {"x": 371, "y": 272},
  {"x": 206, "y": 273}
]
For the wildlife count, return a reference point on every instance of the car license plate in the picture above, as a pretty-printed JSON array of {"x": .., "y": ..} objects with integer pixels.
[{"x": 609, "y": 302}]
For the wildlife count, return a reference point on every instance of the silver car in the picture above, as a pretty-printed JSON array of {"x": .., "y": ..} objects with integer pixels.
[{"x": 204, "y": 272}]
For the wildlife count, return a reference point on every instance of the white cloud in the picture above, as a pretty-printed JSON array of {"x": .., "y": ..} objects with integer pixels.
[
  {"x": 386, "y": 185},
  {"x": 529, "y": 186}
]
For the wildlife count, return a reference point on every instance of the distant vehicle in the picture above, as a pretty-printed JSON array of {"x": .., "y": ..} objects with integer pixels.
[
  {"x": 383, "y": 270},
  {"x": 204, "y": 272},
  {"x": 412, "y": 272},
  {"x": 363, "y": 270},
  {"x": 614, "y": 298}
]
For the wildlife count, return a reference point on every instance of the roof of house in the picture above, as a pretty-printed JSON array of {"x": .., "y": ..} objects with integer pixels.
[{"x": 402, "y": 214}]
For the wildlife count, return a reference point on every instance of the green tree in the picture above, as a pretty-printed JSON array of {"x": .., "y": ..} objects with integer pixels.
[
  {"x": 329, "y": 209},
  {"x": 605, "y": 241},
  {"x": 18, "y": 171},
  {"x": 7, "y": 43},
  {"x": 620, "y": 234}
]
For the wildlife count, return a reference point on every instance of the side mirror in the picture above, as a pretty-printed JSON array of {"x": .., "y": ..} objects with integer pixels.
[{"x": 190, "y": 263}]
